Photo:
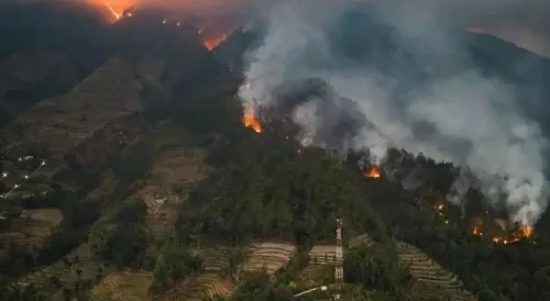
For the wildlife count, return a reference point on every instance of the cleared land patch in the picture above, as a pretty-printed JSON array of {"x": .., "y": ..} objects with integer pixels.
[
  {"x": 269, "y": 257},
  {"x": 433, "y": 282},
  {"x": 202, "y": 287},
  {"x": 175, "y": 171}
]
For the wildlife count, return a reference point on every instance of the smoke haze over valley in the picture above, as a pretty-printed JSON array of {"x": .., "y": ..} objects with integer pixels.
[{"x": 407, "y": 78}]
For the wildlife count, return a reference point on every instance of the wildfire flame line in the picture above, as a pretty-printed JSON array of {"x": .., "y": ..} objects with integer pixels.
[
  {"x": 109, "y": 7},
  {"x": 211, "y": 43},
  {"x": 250, "y": 121},
  {"x": 525, "y": 232},
  {"x": 372, "y": 173}
]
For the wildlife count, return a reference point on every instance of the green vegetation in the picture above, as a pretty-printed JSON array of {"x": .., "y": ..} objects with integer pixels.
[
  {"x": 173, "y": 263},
  {"x": 267, "y": 190},
  {"x": 258, "y": 287},
  {"x": 376, "y": 267},
  {"x": 513, "y": 272},
  {"x": 494, "y": 272},
  {"x": 21, "y": 293},
  {"x": 123, "y": 243}
]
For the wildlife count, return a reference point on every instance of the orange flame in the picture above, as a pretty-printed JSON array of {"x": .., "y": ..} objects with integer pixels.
[
  {"x": 476, "y": 231},
  {"x": 114, "y": 7},
  {"x": 526, "y": 231},
  {"x": 372, "y": 173},
  {"x": 250, "y": 121},
  {"x": 113, "y": 12},
  {"x": 505, "y": 241},
  {"x": 213, "y": 42}
]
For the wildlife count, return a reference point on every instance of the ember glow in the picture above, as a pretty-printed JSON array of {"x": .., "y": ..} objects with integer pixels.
[
  {"x": 505, "y": 241},
  {"x": 250, "y": 121},
  {"x": 212, "y": 42},
  {"x": 476, "y": 231},
  {"x": 115, "y": 8},
  {"x": 372, "y": 173},
  {"x": 113, "y": 12},
  {"x": 526, "y": 231}
]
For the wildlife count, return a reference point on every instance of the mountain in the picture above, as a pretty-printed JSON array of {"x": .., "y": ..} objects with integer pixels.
[
  {"x": 127, "y": 175},
  {"x": 52, "y": 47}
]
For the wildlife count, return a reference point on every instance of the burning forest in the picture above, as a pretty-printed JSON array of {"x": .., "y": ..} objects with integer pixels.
[
  {"x": 372, "y": 172},
  {"x": 115, "y": 10},
  {"x": 250, "y": 120},
  {"x": 230, "y": 125}
]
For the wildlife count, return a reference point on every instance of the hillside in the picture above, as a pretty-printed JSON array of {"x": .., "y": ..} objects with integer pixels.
[{"x": 136, "y": 179}]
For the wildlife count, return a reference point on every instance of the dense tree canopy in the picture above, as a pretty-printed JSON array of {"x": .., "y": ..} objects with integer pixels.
[
  {"x": 258, "y": 287},
  {"x": 276, "y": 193},
  {"x": 376, "y": 268},
  {"x": 174, "y": 262}
]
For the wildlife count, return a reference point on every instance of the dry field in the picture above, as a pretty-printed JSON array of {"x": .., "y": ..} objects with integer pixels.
[
  {"x": 174, "y": 173},
  {"x": 202, "y": 287},
  {"x": 433, "y": 282},
  {"x": 269, "y": 257},
  {"x": 63, "y": 122},
  {"x": 39, "y": 224},
  {"x": 123, "y": 286},
  {"x": 322, "y": 254},
  {"x": 80, "y": 267}
]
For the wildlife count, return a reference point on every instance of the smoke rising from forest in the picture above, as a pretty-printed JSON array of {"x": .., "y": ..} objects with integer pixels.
[{"x": 416, "y": 90}]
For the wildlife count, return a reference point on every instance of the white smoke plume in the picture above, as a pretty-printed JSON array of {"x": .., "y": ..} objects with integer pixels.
[{"x": 461, "y": 115}]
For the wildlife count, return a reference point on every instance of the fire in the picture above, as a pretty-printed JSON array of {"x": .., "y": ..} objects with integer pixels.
[
  {"x": 113, "y": 12},
  {"x": 250, "y": 121},
  {"x": 372, "y": 173},
  {"x": 476, "y": 231},
  {"x": 115, "y": 8},
  {"x": 526, "y": 231},
  {"x": 505, "y": 241},
  {"x": 212, "y": 42}
]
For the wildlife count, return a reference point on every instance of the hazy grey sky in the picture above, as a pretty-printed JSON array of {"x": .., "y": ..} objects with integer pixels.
[{"x": 524, "y": 22}]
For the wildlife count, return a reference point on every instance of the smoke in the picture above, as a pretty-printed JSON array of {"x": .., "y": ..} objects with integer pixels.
[{"x": 399, "y": 76}]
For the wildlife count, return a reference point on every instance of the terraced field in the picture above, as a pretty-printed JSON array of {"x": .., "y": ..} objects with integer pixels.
[
  {"x": 269, "y": 257},
  {"x": 71, "y": 137},
  {"x": 203, "y": 287},
  {"x": 123, "y": 286},
  {"x": 63, "y": 122},
  {"x": 433, "y": 282},
  {"x": 322, "y": 254},
  {"x": 38, "y": 225},
  {"x": 216, "y": 257},
  {"x": 320, "y": 268},
  {"x": 77, "y": 271},
  {"x": 175, "y": 171}
]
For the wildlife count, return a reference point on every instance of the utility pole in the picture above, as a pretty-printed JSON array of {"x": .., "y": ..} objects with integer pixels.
[{"x": 339, "y": 263}]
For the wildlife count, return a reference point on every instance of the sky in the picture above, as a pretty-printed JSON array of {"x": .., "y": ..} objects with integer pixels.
[{"x": 523, "y": 22}]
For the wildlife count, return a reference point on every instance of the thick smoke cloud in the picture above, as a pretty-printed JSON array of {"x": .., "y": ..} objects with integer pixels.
[{"x": 427, "y": 98}]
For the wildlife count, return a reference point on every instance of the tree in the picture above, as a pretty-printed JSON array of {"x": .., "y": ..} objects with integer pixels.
[
  {"x": 258, "y": 287},
  {"x": 125, "y": 244},
  {"x": 174, "y": 262},
  {"x": 376, "y": 267}
]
